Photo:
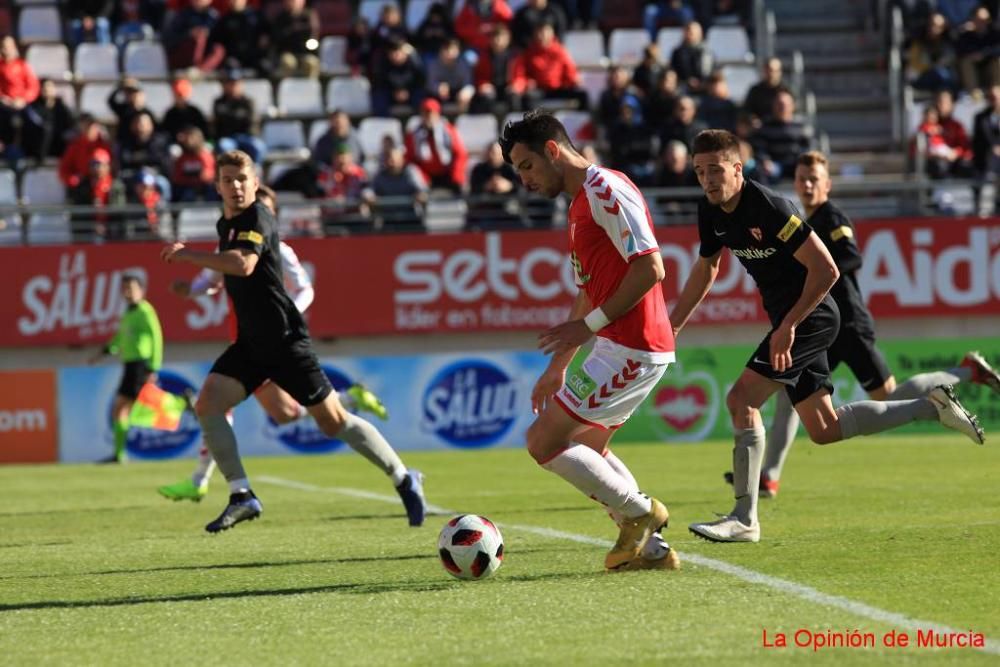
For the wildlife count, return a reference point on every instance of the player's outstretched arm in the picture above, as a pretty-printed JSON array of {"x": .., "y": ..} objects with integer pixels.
[
  {"x": 699, "y": 282},
  {"x": 236, "y": 262}
]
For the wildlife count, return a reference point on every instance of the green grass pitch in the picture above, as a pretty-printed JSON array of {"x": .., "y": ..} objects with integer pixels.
[{"x": 97, "y": 569}]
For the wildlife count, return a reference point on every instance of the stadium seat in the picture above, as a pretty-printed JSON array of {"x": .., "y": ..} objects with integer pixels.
[
  {"x": 668, "y": 39},
  {"x": 49, "y": 61},
  {"x": 477, "y": 131},
  {"x": 204, "y": 94},
  {"x": 42, "y": 186},
  {"x": 39, "y": 24},
  {"x": 586, "y": 48},
  {"x": 277, "y": 168},
  {"x": 445, "y": 215},
  {"x": 332, "y": 55},
  {"x": 284, "y": 135},
  {"x": 579, "y": 126},
  {"x": 94, "y": 100},
  {"x": 197, "y": 224},
  {"x": 371, "y": 9},
  {"x": 159, "y": 97},
  {"x": 262, "y": 94},
  {"x": 49, "y": 228},
  {"x": 300, "y": 97},
  {"x": 96, "y": 62},
  {"x": 145, "y": 60},
  {"x": 740, "y": 79},
  {"x": 292, "y": 217},
  {"x": 11, "y": 230},
  {"x": 416, "y": 11},
  {"x": 8, "y": 186},
  {"x": 626, "y": 45},
  {"x": 371, "y": 131},
  {"x": 594, "y": 82},
  {"x": 349, "y": 94},
  {"x": 317, "y": 129},
  {"x": 729, "y": 44}
]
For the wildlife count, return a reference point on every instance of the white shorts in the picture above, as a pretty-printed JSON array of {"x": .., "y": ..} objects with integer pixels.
[{"x": 608, "y": 386}]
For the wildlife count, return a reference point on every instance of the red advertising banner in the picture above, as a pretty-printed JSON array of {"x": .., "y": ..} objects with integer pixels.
[
  {"x": 28, "y": 428},
  {"x": 474, "y": 282}
]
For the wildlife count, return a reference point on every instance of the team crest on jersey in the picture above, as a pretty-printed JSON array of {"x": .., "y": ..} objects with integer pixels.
[
  {"x": 232, "y": 235},
  {"x": 575, "y": 261},
  {"x": 756, "y": 233}
]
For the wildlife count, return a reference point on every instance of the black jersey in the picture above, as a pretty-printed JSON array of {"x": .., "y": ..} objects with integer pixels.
[
  {"x": 837, "y": 233},
  {"x": 764, "y": 232},
  {"x": 265, "y": 314}
]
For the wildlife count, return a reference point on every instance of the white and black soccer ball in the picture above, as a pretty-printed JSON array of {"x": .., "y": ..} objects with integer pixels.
[{"x": 470, "y": 547}]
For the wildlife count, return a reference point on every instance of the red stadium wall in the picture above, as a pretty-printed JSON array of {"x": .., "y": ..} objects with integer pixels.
[{"x": 68, "y": 295}]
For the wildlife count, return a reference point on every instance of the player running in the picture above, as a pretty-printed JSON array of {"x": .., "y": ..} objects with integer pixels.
[
  {"x": 272, "y": 342},
  {"x": 855, "y": 344},
  {"x": 794, "y": 273},
  {"x": 618, "y": 268},
  {"x": 275, "y": 401}
]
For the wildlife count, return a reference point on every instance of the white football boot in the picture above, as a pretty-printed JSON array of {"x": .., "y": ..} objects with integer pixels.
[
  {"x": 726, "y": 529},
  {"x": 952, "y": 415}
]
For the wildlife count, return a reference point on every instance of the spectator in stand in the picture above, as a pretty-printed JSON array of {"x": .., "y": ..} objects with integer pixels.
[
  {"x": 953, "y": 135},
  {"x": 89, "y": 21},
  {"x": 662, "y": 102},
  {"x": 707, "y": 11},
  {"x": 96, "y": 187},
  {"x": 666, "y": 12},
  {"x": 134, "y": 20},
  {"x": 142, "y": 149},
  {"x": 633, "y": 144},
  {"x": 236, "y": 119},
  {"x": 19, "y": 87},
  {"x": 957, "y": 12},
  {"x": 359, "y": 53},
  {"x": 716, "y": 109},
  {"x": 434, "y": 30},
  {"x": 986, "y": 139},
  {"x": 75, "y": 162},
  {"x": 675, "y": 169},
  {"x": 48, "y": 123},
  {"x": 295, "y": 40},
  {"x": 186, "y": 36},
  {"x": 978, "y": 50},
  {"x": 398, "y": 80},
  {"x": 684, "y": 125},
  {"x": 126, "y": 101},
  {"x": 477, "y": 20},
  {"x": 183, "y": 114},
  {"x": 344, "y": 183},
  {"x": 397, "y": 180},
  {"x": 780, "y": 139},
  {"x": 144, "y": 192},
  {"x": 492, "y": 76},
  {"x": 930, "y": 56},
  {"x": 610, "y": 103},
  {"x": 390, "y": 28},
  {"x": 193, "y": 175},
  {"x": 692, "y": 60},
  {"x": 449, "y": 77},
  {"x": 436, "y": 149},
  {"x": 533, "y": 14},
  {"x": 340, "y": 133},
  {"x": 760, "y": 97},
  {"x": 648, "y": 71},
  {"x": 942, "y": 159},
  {"x": 493, "y": 185},
  {"x": 545, "y": 71},
  {"x": 238, "y": 39}
]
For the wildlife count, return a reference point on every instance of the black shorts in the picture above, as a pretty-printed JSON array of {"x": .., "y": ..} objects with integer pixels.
[
  {"x": 293, "y": 366},
  {"x": 135, "y": 374},
  {"x": 810, "y": 370},
  {"x": 857, "y": 350}
]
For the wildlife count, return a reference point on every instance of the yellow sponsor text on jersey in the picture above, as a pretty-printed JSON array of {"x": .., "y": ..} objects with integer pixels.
[
  {"x": 789, "y": 228},
  {"x": 251, "y": 236},
  {"x": 842, "y": 232}
]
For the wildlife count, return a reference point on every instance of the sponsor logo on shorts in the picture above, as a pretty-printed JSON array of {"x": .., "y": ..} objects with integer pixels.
[
  {"x": 303, "y": 435},
  {"x": 471, "y": 403},
  {"x": 581, "y": 384},
  {"x": 151, "y": 443}
]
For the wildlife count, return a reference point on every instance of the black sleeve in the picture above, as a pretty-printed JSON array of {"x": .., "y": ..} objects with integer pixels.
[
  {"x": 253, "y": 229},
  {"x": 710, "y": 243},
  {"x": 781, "y": 220},
  {"x": 839, "y": 238}
]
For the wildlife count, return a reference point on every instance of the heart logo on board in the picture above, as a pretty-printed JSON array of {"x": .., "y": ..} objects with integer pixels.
[{"x": 681, "y": 407}]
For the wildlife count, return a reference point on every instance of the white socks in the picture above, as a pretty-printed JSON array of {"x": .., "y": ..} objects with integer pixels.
[{"x": 588, "y": 471}]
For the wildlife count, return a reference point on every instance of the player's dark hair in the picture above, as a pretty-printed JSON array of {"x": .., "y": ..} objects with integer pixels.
[
  {"x": 133, "y": 278},
  {"x": 812, "y": 158},
  {"x": 717, "y": 141},
  {"x": 534, "y": 130},
  {"x": 237, "y": 159}
]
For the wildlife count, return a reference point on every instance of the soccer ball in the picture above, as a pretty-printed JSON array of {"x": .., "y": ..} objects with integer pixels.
[{"x": 470, "y": 547}]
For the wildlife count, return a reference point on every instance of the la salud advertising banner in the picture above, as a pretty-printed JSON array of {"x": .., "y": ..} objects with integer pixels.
[
  {"x": 476, "y": 400},
  {"x": 67, "y": 295}
]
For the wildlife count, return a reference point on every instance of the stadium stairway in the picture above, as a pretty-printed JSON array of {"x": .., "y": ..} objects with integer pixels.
[{"x": 845, "y": 68}]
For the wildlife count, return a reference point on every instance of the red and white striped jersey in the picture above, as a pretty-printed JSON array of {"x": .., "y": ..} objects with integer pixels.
[{"x": 609, "y": 226}]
